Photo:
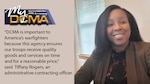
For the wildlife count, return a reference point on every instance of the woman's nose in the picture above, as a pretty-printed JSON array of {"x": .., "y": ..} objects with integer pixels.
[{"x": 117, "y": 27}]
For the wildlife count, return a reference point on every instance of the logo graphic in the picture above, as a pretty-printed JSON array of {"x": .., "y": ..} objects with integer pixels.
[{"x": 16, "y": 15}]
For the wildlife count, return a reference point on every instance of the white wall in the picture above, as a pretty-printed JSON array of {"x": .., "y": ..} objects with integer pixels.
[{"x": 141, "y": 11}]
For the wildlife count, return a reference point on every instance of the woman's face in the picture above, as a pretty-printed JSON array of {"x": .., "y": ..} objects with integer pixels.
[{"x": 118, "y": 28}]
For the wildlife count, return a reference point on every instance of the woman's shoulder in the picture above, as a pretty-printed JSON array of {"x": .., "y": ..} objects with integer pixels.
[
  {"x": 96, "y": 55},
  {"x": 140, "y": 44}
]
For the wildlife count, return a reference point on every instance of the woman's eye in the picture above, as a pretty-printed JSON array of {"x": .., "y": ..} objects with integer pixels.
[
  {"x": 122, "y": 22},
  {"x": 110, "y": 24}
]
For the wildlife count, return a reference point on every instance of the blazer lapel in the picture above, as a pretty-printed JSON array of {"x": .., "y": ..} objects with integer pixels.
[
  {"x": 103, "y": 66},
  {"x": 105, "y": 63},
  {"x": 130, "y": 65}
]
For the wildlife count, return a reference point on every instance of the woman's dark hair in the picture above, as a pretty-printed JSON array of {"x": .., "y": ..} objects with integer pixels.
[{"x": 101, "y": 40}]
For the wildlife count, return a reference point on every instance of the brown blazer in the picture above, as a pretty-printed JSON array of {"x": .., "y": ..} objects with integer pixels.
[{"x": 137, "y": 61}]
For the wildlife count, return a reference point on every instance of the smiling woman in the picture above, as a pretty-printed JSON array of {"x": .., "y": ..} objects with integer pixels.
[
  {"x": 118, "y": 30},
  {"x": 120, "y": 56}
]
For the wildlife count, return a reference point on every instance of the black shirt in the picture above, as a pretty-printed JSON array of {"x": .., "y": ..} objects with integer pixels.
[{"x": 117, "y": 69}]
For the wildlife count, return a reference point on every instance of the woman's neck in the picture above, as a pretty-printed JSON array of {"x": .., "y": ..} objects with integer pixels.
[{"x": 119, "y": 48}]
